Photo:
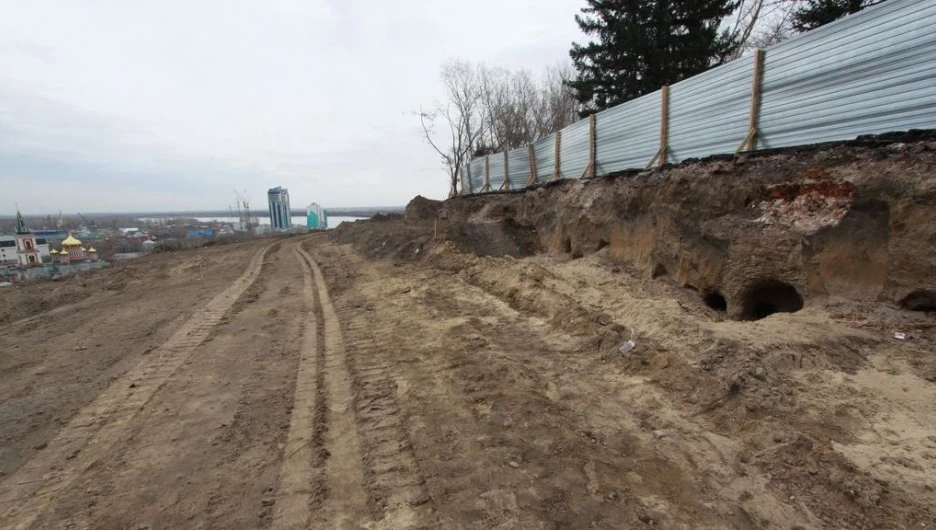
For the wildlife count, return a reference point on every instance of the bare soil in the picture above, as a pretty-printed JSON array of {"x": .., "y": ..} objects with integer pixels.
[{"x": 302, "y": 383}]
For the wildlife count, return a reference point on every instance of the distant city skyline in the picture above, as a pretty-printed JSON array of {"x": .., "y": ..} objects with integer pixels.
[{"x": 262, "y": 212}]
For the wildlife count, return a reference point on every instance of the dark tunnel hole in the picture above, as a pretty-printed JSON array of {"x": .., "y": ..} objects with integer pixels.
[
  {"x": 658, "y": 271},
  {"x": 602, "y": 243},
  {"x": 768, "y": 297},
  {"x": 716, "y": 301},
  {"x": 920, "y": 300},
  {"x": 567, "y": 245}
]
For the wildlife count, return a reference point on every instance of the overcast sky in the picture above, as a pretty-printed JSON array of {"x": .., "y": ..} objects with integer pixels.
[{"x": 128, "y": 105}]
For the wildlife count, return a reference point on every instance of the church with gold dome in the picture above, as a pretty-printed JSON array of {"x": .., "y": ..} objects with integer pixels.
[
  {"x": 29, "y": 256},
  {"x": 73, "y": 252}
]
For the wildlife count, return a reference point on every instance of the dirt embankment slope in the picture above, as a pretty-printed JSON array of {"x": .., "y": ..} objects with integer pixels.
[
  {"x": 766, "y": 388},
  {"x": 850, "y": 222},
  {"x": 756, "y": 233}
]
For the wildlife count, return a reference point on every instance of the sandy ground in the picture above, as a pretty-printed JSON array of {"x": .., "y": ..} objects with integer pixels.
[{"x": 297, "y": 384}]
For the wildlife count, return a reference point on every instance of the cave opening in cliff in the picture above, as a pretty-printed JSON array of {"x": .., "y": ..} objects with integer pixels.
[
  {"x": 767, "y": 297},
  {"x": 920, "y": 300},
  {"x": 716, "y": 301}
]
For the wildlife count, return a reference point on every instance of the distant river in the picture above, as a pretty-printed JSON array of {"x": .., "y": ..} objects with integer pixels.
[
  {"x": 333, "y": 221},
  {"x": 300, "y": 220}
]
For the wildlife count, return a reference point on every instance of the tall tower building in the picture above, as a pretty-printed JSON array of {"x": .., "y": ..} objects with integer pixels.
[
  {"x": 316, "y": 218},
  {"x": 26, "y": 249},
  {"x": 278, "y": 198}
]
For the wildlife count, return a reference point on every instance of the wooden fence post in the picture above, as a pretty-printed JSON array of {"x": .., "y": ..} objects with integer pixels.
[
  {"x": 661, "y": 155},
  {"x": 664, "y": 126},
  {"x": 591, "y": 145},
  {"x": 532, "y": 151},
  {"x": 506, "y": 184},
  {"x": 750, "y": 141},
  {"x": 487, "y": 175},
  {"x": 556, "y": 157}
]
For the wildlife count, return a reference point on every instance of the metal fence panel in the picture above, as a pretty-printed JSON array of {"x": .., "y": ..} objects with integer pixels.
[
  {"x": 869, "y": 73},
  {"x": 496, "y": 168},
  {"x": 519, "y": 170},
  {"x": 627, "y": 136},
  {"x": 476, "y": 167},
  {"x": 573, "y": 150},
  {"x": 544, "y": 150},
  {"x": 709, "y": 113}
]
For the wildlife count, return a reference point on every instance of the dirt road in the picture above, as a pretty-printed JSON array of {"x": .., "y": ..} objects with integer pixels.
[{"x": 298, "y": 384}]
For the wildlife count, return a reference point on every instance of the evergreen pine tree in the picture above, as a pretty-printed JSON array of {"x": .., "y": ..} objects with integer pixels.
[
  {"x": 641, "y": 45},
  {"x": 815, "y": 13}
]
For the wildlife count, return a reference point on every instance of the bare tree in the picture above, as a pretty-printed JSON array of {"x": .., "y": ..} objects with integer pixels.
[
  {"x": 519, "y": 109},
  {"x": 761, "y": 23},
  {"x": 460, "y": 114},
  {"x": 558, "y": 106},
  {"x": 493, "y": 109}
]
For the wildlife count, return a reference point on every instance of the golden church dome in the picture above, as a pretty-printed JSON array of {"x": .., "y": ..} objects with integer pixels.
[
  {"x": 53, "y": 251},
  {"x": 71, "y": 242},
  {"x": 92, "y": 249}
]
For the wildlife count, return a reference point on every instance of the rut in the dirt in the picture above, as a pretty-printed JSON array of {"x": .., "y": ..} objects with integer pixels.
[
  {"x": 393, "y": 476},
  {"x": 99, "y": 426}
]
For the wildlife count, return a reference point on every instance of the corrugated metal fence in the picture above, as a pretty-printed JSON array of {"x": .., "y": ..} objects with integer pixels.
[{"x": 867, "y": 73}]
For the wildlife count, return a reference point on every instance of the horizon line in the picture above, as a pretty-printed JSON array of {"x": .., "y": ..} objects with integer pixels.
[{"x": 183, "y": 212}]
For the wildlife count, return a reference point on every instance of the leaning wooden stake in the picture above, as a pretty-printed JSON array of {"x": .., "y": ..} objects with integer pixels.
[
  {"x": 556, "y": 155},
  {"x": 532, "y": 152},
  {"x": 487, "y": 175},
  {"x": 591, "y": 146},
  {"x": 506, "y": 184},
  {"x": 750, "y": 141},
  {"x": 660, "y": 156}
]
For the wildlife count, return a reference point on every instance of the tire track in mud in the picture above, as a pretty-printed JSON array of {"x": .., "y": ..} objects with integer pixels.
[
  {"x": 329, "y": 478},
  {"x": 90, "y": 435},
  {"x": 301, "y": 479},
  {"x": 362, "y": 465},
  {"x": 395, "y": 482}
]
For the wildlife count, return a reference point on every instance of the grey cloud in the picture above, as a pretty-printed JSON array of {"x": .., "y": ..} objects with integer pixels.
[{"x": 173, "y": 105}]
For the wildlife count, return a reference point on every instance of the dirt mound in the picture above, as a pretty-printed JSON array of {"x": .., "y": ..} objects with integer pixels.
[
  {"x": 494, "y": 238},
  {"x": 421, "y": 209},
  {"x": 402, "y": 239},
  {"x": 386, "y": 238}
]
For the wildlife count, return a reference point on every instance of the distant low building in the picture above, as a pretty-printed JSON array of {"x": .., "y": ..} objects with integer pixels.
[{"x": 201, "y": 232}]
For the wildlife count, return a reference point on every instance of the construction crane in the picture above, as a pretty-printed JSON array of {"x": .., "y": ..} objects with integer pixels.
[{"x": 87, "y": 223}]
